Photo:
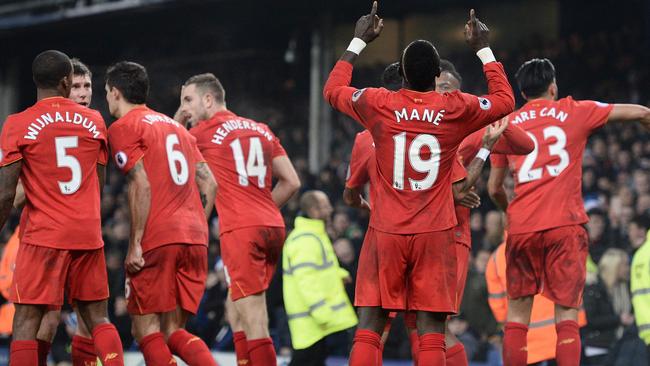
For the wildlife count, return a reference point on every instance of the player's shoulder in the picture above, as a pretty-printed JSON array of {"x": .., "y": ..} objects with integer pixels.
[{"x": 363, "y": 138}]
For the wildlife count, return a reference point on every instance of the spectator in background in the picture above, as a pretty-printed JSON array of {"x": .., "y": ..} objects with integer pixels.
[
  {"x": 640, "y": 287},
  {"x": 608, "y": 306},
  {"x": 637, "y": 230},
  {"x": 493, "y": 230},
  {"x": 314, "y": 297}
]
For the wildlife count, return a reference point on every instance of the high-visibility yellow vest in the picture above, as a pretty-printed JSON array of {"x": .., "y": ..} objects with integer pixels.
[
  {"x": 640, "y": 288},
  {"x": 314, "y": 295}
]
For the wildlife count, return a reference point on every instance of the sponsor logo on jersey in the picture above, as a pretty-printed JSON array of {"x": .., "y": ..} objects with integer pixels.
[
  {"x": 357, "y": 94},
  {"x": 484, "y": 103},
  {"x": 121, "y": 159}
]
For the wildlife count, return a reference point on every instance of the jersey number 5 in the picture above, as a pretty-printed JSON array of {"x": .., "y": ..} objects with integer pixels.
[
  {"x": 429, "y": 166},
  {"x": 528, "y": 174},
  {"x": 254, "y": 166},
  {"x": 63, "y": 160}
]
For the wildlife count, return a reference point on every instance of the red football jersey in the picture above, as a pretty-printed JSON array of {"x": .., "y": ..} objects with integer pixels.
[
  {"x": 548, "y": 181},
  {"x": 416, "y": 137},
  {"x": 363, "y": 154},
  {"x": 169, "y": 155},
  {"x": 240, "y": 152},
  {"x": 60, "y": 143}
]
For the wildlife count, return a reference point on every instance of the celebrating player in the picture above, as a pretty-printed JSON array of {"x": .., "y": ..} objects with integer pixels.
[
  {"x": 244, "y": 155},
  {"x": 546, "y": 249},
  {"x": 63, "y": 147},
  {"x": 171, "y": 193},
  {"x": 408, "y": 259}
]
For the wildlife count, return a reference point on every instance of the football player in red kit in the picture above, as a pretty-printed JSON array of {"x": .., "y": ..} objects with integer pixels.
[
  {"x": 409, "y": 251},
  {"x": 547, "y": 244},
  {"x": 244, "y": 156},
  {"x": 58, "y": 148},
  {"x": 171, "y": 193}
]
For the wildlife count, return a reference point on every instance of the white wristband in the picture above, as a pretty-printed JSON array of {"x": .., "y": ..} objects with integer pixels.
[
  {"x": 486, "y": 55},
  {"x": 356, "y": 45},
  {"x": 483, "y": 154}
]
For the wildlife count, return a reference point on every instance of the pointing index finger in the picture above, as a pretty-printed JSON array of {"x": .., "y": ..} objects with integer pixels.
[
  {"x": 373, "y": 11},
  {"x": 472, "y": 16}
]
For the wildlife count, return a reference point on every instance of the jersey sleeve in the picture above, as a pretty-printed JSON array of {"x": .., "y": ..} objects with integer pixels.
[
  {"x": 478, "y": 112},
  {"x": 103, "y": 149},
  {"x": 9, "y": 138},
  {"x": 514, "y": 141},
  {"x": 278, "y": 150},
  {"x": 126, "y": 145},
  {"x": 498, "y": 161},
  {"x": 458, "y": 171},
  {"x": 358, "y": 174},
  {"x": 470, "y": 145},
  {"x": 594, "y": 114},
  {"x": 357, "y": 103}
]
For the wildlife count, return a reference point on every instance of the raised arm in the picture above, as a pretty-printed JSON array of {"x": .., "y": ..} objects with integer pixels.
[
  {"x": 288, "y": 181},
  {"x": 139, "y": 193},
  {"x": 207, "y": 187},
  {"x": 9, "y": 175},
  {"x": 630, "y": 112},
  {"x": 514, "y": 141}
]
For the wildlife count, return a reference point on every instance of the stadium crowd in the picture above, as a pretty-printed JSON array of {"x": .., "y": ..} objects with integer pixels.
[{"x": 616, "y": 193}]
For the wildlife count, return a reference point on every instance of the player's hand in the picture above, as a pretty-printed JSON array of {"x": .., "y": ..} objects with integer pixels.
[
  {"x": 493, "y": 132},
  {"x": 369, "y": 26},
  {"x": 134, "y": 261},
  {"x": 471, "y": 200},
  {"x": 477, "y": 33}
]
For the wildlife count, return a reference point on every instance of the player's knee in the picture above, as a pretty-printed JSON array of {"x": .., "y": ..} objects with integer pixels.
[{"x": 27, "y": 321}]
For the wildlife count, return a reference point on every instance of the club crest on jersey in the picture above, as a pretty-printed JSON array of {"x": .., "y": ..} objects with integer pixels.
[
  {"x": 484, "y": 103},
  {"x": 357, "y": 94},
  {"x": 121, "y": 159}
]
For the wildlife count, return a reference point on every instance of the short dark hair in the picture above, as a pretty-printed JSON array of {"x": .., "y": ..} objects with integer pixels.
[
  {"x": 309, "y": 200},
  {"x": 534, "y": 77},
  {"x": 130, "y": 79},
  {"x": 208, "y": 82},
  {"x": 448, "y": 66},
  {"x": 391, "y": 78},
  {"x": 79, "y": 68},
  {"x": 49, "y": 67},
  {"x": 420, "y": 65}
]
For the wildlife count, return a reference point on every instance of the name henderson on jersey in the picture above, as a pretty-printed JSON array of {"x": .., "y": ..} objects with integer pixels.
[
  {"x": 238, "y": 124},
  {"x": 35, "y": 127}
]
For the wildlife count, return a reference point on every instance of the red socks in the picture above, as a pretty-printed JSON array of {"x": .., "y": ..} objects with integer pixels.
[
  {"x": 415, "y": 345},
  {"x": 515, "y": 351},
  {"x": 568, "y": 343},
  {"x": 23, "y": 353},
  {"x": 432, "y": 349},
  {"x": 83, "y": 351},
  {"x": 241, "y": 348},
  {"x": 190, "y": 348},
  {"x": 43, "y": 350},
  {"x": 155, "y": 350},
  {"x": 261, "y": 352},
  {"x": 365, "y": 349},
  {"x": 456, "y": 355},
  {"x": 108, "y": 345}
]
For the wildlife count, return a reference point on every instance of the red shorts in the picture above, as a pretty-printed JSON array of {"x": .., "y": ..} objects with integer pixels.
[
  {"x": 462, "y": 264},
  {"x": 552, "y": 262},
  {"x": 42, "y": 275},
  {"x": 173, "y": 276},
  {"x": 250, "y": 255},
  {"x": 408, "y": 272}
]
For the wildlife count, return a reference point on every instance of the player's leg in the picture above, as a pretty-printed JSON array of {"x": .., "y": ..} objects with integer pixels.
[
  {"x": 455, "y": 354},
  {"x": 83, "y": 347},
  {"x": 46, "y": 333},
  {"x": 191, "y": 274},
  {"x": 564, "y": 281},
  {"x": 88, "y": 291},
  {"x": 24, "y": 347},
  {"x": 239, "y": 335},
  {"x": 525, "y": 258},
  {"x": 366, "y": 348},
  {"x": 147, "y": 332},
  {"x": 432, "y": 290}
]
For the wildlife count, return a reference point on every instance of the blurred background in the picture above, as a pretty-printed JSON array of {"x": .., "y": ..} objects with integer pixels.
[{"x": 273, "y": 57}]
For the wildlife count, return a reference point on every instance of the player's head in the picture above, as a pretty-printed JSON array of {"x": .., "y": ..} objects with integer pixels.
[
  {"x": 127, "y": 83},
  {"x": 449, "y": 79},
  {"x": 316, "y": 205},
  {"x": 420, "y": 65},
  {"x": 201, "y": 97},
  {"x": 52, "y": 70},
  {"x": 391, "y": 78},
  {"x": 82, "y": 83},
  {"x": 536, "y": 79}
]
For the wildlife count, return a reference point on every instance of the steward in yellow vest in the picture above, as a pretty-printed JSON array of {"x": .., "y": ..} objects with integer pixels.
[{"x": 640, "y": 289}]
